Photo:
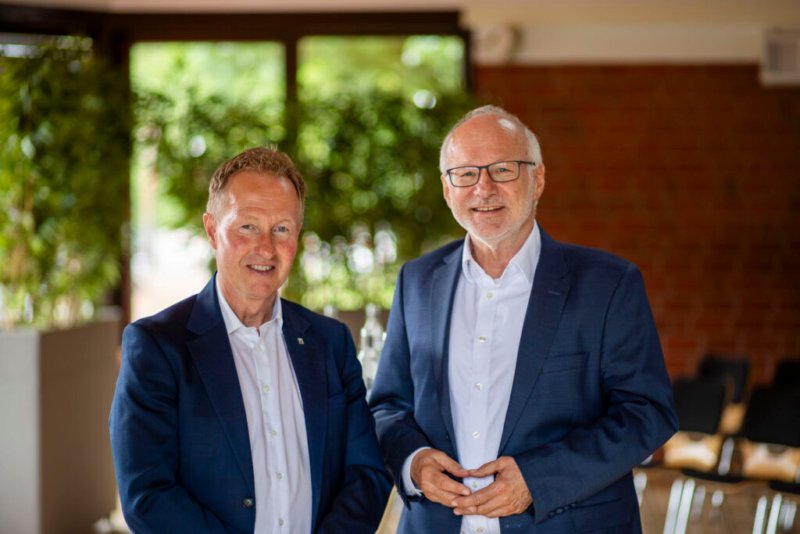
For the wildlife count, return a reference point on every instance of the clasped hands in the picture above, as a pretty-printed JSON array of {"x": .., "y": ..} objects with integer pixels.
[{"x": 507, "y": 495}]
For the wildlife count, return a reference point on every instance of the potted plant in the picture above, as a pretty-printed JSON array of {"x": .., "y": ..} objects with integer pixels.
[{"x": 64, "y": 143}]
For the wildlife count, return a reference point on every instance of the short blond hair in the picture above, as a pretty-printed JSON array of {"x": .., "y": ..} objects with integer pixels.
[{"x": 262, "y": 160}]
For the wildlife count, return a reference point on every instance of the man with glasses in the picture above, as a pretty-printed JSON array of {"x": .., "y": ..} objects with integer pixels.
[{"x": 522, "y": 378}]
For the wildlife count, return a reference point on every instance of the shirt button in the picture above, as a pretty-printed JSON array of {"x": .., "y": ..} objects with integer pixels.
[
  {"x": 265, "y": 389},
  {"x": 247, "y": 502},
  {"x": 273, "y": 433},
  {"x": 482, "y": 339},
  {"x": 489, "y": 294},
  {"x": 476, "y": 435},
  {"x": 280, "y": 522},
  {"x": 479, "y": 386},
  {"x": 474, "y": 485},
  {"x": 479, "y": 530},
  {"x": 280, "y": 476}
]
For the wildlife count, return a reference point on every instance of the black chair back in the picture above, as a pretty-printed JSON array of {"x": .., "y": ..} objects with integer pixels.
[
  {"x": 733, "y": 370},
  {"x": 773, "y": 416},
  {"x": 699, "y": 404},
  {"x": 787, "y": 373}
]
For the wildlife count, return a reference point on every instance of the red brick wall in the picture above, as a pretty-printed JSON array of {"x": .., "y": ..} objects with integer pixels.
[{"x": 691, "y": 172}]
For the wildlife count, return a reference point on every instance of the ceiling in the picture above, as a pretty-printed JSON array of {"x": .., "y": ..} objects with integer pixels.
[
  {"x": 546, "y": 31},
  {"x": 539, "y": 11}
]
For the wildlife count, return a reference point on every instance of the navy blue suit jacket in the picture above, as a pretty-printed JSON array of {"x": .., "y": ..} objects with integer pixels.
[
  {"x": 179, "y": 430},
  {"x": 590, "y": 397}
]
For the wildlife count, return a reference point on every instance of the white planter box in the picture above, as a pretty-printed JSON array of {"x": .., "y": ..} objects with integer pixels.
[{"x": 56, "y": 471}]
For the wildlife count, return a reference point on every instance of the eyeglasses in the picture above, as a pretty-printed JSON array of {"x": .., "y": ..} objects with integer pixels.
[{"x": 500, "y": 171}]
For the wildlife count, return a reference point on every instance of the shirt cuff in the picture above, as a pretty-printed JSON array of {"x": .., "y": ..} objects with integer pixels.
[{"x": 408, "y": 484}]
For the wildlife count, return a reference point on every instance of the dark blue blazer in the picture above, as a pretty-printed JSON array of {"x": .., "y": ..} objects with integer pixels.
[
  {"x": 590, "y": 397},
  {"x": 179, "y": 430}
]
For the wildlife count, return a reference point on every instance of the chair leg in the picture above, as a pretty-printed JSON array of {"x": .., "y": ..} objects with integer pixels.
[
  {"x": 673, "y": 506},
  {"x": 761, "y": 513},
  {"x": 685, "y": 506},
  {"x": 717, "y": 498},
  {"x": 774, "y": 512},
  {"x": 640, "y": 483},
  {"x": 726, "y": 456},
  {"x": 790, "y": 509},
  {"x": 696, "y": 508}
]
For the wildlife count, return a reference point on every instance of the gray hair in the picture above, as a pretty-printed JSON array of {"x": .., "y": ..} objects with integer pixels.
[{"x": 535, "y": 151}]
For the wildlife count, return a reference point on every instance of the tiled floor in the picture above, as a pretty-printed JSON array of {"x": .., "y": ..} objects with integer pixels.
[{"x": 735, "y": 516}]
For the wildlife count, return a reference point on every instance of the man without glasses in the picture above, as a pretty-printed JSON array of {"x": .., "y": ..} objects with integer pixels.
[{"x": 236, "y": 410}]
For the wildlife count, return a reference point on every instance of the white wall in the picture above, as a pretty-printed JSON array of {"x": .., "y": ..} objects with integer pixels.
[{"x": 19, "y": 432}]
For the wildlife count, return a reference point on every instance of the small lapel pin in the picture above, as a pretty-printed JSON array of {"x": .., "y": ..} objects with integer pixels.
[{"x": 300, "y": 341}]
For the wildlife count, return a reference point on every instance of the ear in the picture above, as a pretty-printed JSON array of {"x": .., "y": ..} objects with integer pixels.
[
  {"x": 210, "y": 224},
  {"x": 538, "y": 180},
  {"x": 446, "y": 189}
]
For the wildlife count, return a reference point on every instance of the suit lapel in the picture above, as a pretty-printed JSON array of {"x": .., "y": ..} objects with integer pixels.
[
  {"x": 548, "y": 295},
  {"x": 312, "y": 381},
  {"x": 213, "y": 358},
  {"x": 442, "y": 293}
]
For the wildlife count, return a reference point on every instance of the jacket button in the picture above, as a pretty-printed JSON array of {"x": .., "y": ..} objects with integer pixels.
[{"x": 248, "y": 502}]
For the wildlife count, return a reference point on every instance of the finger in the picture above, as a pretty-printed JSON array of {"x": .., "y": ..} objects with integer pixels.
[
  {"x": 440, "y": 459},
  {"x": 477, "y": 498},
  {"x": 432, "y": 458},
  {"x": 446, "y": 484},
  {"x": 486, "y": 469},
  {"x": 441, "y": 488},
  {"x": 503, "y": 511},
  {"x": 494, "y": 505},
  {"x": 451, "y": 466},
  {"x": 444, "y": 498}
]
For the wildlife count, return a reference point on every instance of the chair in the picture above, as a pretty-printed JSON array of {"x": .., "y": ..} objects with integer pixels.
[
  {"x": 699, "y": 405},
  {"x": 696, "y": 445},
  {"x": 734, "y": 371},
  {"x": 782, "y": 511},
  {"x": 771, "y": 451},
  {"x": 769, "y": 438},
  {"x": 787, "y": 373}
]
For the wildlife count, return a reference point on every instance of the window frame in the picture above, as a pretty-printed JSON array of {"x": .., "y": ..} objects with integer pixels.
[{"x": 114, "y": 34}]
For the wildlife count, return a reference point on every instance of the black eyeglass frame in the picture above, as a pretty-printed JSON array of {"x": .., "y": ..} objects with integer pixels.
[{"x": 486, "y": 167}]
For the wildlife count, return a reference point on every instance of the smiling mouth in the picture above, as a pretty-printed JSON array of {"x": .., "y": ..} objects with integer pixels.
[
  {"x": 487, "y": 209},
  {"x": 261, "y": 268}
]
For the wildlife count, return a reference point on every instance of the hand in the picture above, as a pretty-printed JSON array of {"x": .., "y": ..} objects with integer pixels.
[
  {"x": 428, "y": 470},
  {"x": 507, "y": 495}
]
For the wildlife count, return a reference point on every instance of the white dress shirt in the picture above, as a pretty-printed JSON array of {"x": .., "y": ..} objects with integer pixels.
[
  {"x": 275, "y": 423},
  {"x": 485, "y": 331}
]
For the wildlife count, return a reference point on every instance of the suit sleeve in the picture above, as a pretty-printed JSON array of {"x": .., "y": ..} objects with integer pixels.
[
  {"x": 144, "y": 441},
  {"x": 392, "y": 396},
  {"x": 638, "y": 417},
  {"x": 361, "y": 499}
]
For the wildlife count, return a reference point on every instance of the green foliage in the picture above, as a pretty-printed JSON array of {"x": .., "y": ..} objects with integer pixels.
[
  {"x": 244, "y": 73},
  {"x": 64, "y": 126},
  {"x": 374, "y": 160},
  {"x": 193, "y": 139},
  {"x": 404, "y": 65},
  {"x": 198, "y": 104},
  {"x": 365, "y": 135}
]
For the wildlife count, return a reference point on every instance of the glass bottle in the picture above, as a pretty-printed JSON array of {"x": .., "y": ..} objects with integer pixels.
[{"x": 370, "y": 345}]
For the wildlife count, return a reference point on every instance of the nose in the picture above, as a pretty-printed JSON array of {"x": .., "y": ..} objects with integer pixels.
[
  {"x": 485, "y": 186},
  {"x": 265, "y": 245}
]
